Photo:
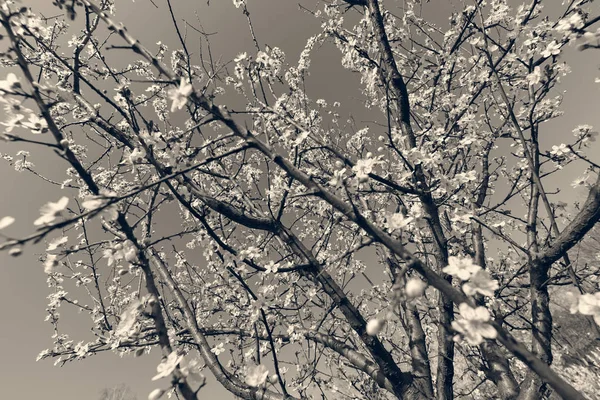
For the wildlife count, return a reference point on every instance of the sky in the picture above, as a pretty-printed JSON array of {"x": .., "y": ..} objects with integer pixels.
[{"x": 23, "y": 287}]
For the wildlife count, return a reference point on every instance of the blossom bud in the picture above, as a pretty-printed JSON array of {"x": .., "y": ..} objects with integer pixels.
[
  {"x": 415, "y": 288},
  {"x": 156, "y": 394},
  {"x": 374, "y": 326},
  {"x": 15, "y": 251},
  {"x": 64, "y": 144}
]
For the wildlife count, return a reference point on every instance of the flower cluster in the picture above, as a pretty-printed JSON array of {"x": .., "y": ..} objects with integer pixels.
[{"x": 478, "y": 280}]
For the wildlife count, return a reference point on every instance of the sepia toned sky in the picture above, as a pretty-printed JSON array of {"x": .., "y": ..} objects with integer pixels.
[{"x": 23, "y": 290}]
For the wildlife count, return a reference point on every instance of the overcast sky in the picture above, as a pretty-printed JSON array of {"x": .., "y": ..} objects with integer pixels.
[{"x": 23, "y": 288}]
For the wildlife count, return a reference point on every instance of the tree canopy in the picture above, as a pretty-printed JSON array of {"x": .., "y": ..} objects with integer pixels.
[{"x": 215, "y": 211}]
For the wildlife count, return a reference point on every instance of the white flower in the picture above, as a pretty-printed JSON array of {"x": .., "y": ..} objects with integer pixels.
[
  {"x": 589, "y": 304},
  {"x": 585, "y": 133},
  {"x": 220, "y": 348},
  {"x": 128, "y": 319},
  {"x": 168, "y": 365},
  {"x": 13, "y": 122},
  {"x": 462, "y": 268},
  {"x": 110, "y": 213},
  {"x": 363, "y": 168},
  {"x": 6, "y": 221},
  {"x": 582, "y": 180},
  {"x": 553, "y": 49},
  {"x": 156, "y": 394},
  {"x": 473, "y": 324},
  {"x": 374, "y": 326},
  {"x": 51, "y": 210},
  {"x": 193, "y": 371},
  {"x": 415, "y": 288},
  {"x": 399, "y": 221},
  {"x": 56, "y": 243},
  {"x": 111, "y": 256},
  {"x": 240, "y": 57},
  {"x": 137, "y": 155},
  {"x": 535, "y": 77},
  {"x": 93, "y": 202},
  {"x": 10, "y": 83},
  {"x": 153, "y": 139},
  {"x": 560, "y": 150},
  {"x": 461, "y": 218},
  {"x": 271, "y": 267},
  {"x": 573, "y": 22},
  {"x": 466, "y": 177},
  {"x": 180, "y": 95},
  {"x": 481, "y": 282},
  {"x": 129, "y": 253},
  {"x": 338, "y": 178},
  {"x": 239, "y": 3},
  {"x": 36, "y": 124},
  {"x": 50, "y": 263},
  {"x": 257, "y": 375}
]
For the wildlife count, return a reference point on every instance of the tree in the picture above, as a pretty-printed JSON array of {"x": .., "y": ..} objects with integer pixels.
[{"x": 311, "y": 257}]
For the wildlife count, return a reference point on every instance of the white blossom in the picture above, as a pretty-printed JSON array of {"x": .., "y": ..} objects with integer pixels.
[
  {"x": 168, "y": 365},
  {"x": 128, "y": 319},
  {"x": 553, "y": 49},
  {"x": 51, "y": 211},
  {"x": 179, "y": 96},
  {"x": 218, "y": 349},
  {"x": 56, "y": 243},
  {"x": 560, "y": 150},
  {"x": 462, "y": 268},
  {"x": 51, "y": 263},
  {"x": 36, "y": 124},
  {"x": 240, "y": 57},
  {"x": 481, "y": 282},
  {"x": 10, "y": 83},
  {"x": 473, "y": 324},
  {"x": 399, "y": 221},
  {"x": 589, "y": 304},
  {"x": 535, "y": 76},
  {"x": 567, "y": 24},
  {"x": 363, "y": 168},
  {"x": 415, "y": 287},
  {"x": 257, "y": 375},
  {"x": 14, "y": 121},
  {"x": 6, "y": 221},
  {"x": 374, "y": 326},
  {"x": 137, "y": 155}
]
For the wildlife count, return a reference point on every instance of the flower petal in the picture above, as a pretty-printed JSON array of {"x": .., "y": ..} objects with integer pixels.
[{"x": 6, "y": 221}]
